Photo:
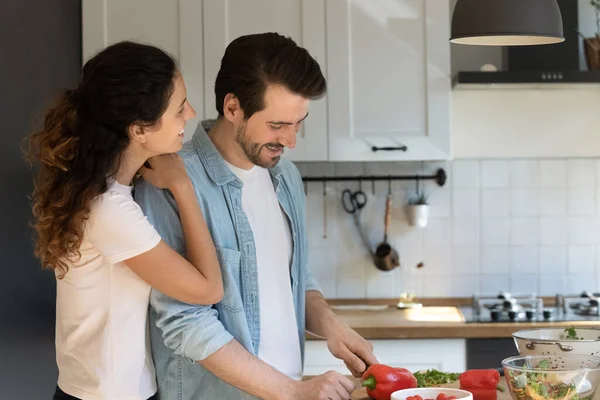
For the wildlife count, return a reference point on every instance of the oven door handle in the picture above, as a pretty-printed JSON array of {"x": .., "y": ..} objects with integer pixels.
[{"x": 532, "y": 343}]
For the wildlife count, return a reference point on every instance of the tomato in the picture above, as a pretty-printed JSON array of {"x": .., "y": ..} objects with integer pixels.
[{"x": 444, "y": 396}]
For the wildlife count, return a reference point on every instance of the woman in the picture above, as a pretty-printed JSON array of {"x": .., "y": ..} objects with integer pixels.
[{"x": 129, "y": 111}]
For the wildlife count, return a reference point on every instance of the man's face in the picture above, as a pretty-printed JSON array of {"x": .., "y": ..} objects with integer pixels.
[{"x": 266, "y": 133}]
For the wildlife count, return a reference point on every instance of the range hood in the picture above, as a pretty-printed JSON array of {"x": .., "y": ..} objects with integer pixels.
[{"x": 547, "y": 64}]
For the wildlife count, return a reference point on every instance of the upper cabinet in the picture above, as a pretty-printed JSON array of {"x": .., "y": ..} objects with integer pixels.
[
  {"x": 388, "y": 69},
  {"x": 387, "y": 63},
  {"x": 302, "y": 20}
]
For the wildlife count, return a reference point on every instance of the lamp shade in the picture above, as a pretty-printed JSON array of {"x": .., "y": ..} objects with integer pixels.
[{"x": 506, "y": 22}]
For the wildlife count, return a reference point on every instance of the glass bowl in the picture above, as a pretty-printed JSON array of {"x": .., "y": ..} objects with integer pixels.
[{"x": 564, "y": 377}]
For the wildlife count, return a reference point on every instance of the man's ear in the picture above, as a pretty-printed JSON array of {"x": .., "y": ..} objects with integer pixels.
[{"x": 231, "y": 108}]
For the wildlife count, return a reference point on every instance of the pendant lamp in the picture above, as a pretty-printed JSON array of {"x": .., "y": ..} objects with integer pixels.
[{"x": 506, "y": 22}]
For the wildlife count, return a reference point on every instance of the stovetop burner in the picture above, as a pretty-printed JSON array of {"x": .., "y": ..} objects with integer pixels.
[
  {"x": 585, "y": 304},
  {"x": 507, "y": 307}
]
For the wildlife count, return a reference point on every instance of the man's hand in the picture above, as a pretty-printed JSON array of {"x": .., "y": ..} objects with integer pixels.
[
  {"x": 329, "y": 386},
  {"x": 343, "y": 342},
  {"x": 347, "y": 345}
]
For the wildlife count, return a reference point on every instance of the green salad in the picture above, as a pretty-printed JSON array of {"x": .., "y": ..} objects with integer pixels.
[
  {"x": 570, "y": 334},
  {"x": 542, "y": 385},
  {"x": 433, "y": 377}
]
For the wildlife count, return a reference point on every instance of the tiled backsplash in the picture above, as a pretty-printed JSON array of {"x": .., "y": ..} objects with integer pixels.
[{"x": 518, "y": 225}]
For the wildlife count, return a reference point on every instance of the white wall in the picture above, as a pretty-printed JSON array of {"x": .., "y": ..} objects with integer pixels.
[{"x": 518, "y": 225}]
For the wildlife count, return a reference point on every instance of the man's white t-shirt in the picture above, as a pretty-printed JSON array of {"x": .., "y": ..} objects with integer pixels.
[
  {"x": 279, "y": 342},
  {"x": 102, "y": 340}
]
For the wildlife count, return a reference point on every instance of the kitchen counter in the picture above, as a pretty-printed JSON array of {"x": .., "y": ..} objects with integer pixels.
[{"x": 379, "y": 321}]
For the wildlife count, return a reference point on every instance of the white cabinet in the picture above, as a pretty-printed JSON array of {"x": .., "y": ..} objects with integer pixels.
[
  {"x": 448, "y": 355},
  {"x": 387, "y": 64},
  {"x": 388, "y": 69},
  {"x": 197, "y": 32},
  {"x": 302, "y": 20},
  {"x": 174, "y": 25}
]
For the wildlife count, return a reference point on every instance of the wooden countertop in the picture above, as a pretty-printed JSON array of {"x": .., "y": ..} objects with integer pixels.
[{"x": 433, "y": 322}]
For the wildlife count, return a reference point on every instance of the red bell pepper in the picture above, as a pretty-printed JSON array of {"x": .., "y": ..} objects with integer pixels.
[
  {"x": 382, "y": 380},
  {"x": 480, "y": 379},
  {"x": 482, "y": 383}
]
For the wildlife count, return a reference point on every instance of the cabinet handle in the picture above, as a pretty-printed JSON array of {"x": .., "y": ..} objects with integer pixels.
[{"x": 389, "y": 148}]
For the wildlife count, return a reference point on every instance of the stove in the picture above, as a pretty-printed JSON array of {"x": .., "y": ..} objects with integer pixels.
[{"x": 529, "y": 307}]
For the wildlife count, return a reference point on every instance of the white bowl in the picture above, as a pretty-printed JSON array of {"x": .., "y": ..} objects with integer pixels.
[
  {"x": 553, "y": 341},
  {"x": 431, "y": 393}
]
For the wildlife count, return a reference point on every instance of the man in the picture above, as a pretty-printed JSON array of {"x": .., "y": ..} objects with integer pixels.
[{"x": 253, "y": 201}]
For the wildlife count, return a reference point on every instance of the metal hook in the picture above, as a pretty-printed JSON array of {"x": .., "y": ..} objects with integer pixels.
[
  {"x": 373, "y": 185},
  {"x": 389, "y": 184}
]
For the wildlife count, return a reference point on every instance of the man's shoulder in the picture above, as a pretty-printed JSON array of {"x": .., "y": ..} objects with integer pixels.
[
  {"x": 188, "y": 151},
  {"x": 193, "y": 165}
]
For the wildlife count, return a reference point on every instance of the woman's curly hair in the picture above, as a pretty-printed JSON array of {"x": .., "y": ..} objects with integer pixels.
[{"x": 83, "y": 136}]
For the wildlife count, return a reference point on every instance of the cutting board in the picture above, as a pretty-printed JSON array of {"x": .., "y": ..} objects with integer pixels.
[{"x": 361, "y": 394}]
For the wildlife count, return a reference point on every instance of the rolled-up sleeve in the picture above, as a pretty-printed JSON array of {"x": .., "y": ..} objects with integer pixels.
[{"x": 191, "y": 331}]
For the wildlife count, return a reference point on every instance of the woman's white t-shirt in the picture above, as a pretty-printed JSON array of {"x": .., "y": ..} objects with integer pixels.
[{"x": 102, "y": 340}]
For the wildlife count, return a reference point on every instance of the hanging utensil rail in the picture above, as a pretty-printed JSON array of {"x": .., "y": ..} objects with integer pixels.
[{"x": 439, "y": 177}]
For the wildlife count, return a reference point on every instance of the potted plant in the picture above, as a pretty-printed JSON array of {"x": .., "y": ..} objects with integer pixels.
[
  {"x": 417, "y": 210},
  {"x": 592, "y": 45}
]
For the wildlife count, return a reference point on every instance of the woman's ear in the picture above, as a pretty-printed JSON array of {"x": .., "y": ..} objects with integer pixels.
[{"x": 138, "y": 133}]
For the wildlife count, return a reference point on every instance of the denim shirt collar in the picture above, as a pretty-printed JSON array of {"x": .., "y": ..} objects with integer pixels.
[{"x": 213, "y": 161}]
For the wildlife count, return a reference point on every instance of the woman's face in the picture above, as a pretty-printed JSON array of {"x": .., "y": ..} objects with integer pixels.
[{"x": 168, "y": 138}]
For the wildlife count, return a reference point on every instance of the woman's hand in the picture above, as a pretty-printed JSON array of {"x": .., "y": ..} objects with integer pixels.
[{"x": 166, "y": 171}]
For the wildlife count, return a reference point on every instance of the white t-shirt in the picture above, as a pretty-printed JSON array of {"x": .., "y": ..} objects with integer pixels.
[
  {"x": 279, "y": 342},
  {"x": 102, "y": 339}
]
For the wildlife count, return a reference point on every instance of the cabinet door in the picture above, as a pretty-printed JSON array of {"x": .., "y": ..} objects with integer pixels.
[
  {"x": 174, "y": 25},
  {"x": 388, "y": 65},
  {"x": 302, "y": 20}
]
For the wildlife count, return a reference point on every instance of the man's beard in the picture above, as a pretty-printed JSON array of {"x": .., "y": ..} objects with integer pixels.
[{"x": 253, "y": 150}]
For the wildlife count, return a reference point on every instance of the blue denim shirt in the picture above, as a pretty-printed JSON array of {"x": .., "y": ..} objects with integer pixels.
[{"x": 182, "y": 334}]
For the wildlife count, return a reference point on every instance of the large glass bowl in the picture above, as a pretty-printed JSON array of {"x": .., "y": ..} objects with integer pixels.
[{"x": 566, "y": 377}]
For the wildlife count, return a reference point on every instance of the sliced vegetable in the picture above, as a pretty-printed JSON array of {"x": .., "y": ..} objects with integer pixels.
[{"x": 433, "y": 377}]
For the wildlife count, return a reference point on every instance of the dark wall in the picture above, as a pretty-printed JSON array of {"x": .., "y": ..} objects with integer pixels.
[{"x": 40, "y": 42}]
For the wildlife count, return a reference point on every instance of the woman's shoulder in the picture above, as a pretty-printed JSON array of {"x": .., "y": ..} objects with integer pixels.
[{"x": 116, "y": 202}]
